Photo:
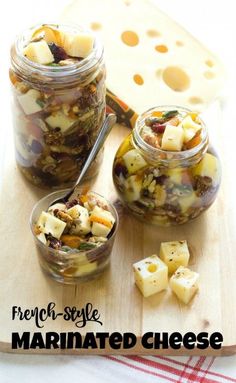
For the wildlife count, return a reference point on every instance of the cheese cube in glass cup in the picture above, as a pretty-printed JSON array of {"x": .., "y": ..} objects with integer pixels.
[
  {"x": 174, "y": 254},
  {"x": 151, "y": 275},
  {"x": 74, "y": 266},
  {"x": 184, "y": 283}
]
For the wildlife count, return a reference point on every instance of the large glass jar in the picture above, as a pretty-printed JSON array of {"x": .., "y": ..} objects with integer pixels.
[
  {"x": 57, "y": 113},
  {"x": 165, "y": 187}
]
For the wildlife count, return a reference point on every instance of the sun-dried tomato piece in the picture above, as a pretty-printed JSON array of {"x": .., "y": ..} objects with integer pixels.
[{"x": 58, "y": 52}]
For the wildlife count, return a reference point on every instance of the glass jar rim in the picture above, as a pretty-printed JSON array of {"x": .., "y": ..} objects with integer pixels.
[
  {"x": 56, "y": 72},
  {"x": 76, "y": 254},
  {"x": 170, "y": 155}
]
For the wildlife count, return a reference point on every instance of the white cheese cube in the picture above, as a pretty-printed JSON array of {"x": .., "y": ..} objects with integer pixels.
[
  {"x": 175, "y": 175},
  {"x": 134, "y": 161},
  {"x": 151, "y": 275},
  {"x": 48, "y": 224},
  {"x": 39, "y": 52},
  {"x": 102, "y": 216},
  {"x": 81, "y": 266},
  {"x": 28, "y": 102},
  {"x": 173, "y": 138},
  {"x": 100, "y": 230},
  {"x": 133, "y": 186},
  {"x": 174, "y": 254},
  {"x": 78, "y": 45},
  {"x": 190, "y": 128},
  {"x": 184, "y": 283},
  {"x": 86, "y": 268},
  {"x": 81, "y": 224},
  {"x": 42, "y": 238},
  {"x": 76, "y": 210},
  {"x": 187, "y": 201},
  {"x": 60, "y": 120},
  {"x": 102, "y": 221},
  {"x": 208, "y": 167}
]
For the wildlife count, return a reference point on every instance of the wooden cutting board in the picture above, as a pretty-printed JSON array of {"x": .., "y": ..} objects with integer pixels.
[{"x": 120, "y": 304}]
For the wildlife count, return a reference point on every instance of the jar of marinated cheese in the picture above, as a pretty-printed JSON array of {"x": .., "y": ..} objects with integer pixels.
[
  {"x": 58, "y": 83},
  {"x": 165, "y": 172}
]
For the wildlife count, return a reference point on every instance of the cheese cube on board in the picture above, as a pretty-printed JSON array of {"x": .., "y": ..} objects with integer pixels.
[
  {"x": 150, "y": 59},
  {"x": 184, "y": 283},
  {"x": 174, "y": 254},
  {"x": 151, "y": 275}
]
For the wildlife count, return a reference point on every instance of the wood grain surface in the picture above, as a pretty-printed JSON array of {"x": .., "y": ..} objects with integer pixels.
[{"x": 122, "y": 308}]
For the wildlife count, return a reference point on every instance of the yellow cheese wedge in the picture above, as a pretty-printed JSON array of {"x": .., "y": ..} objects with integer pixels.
[{"x": 177, "y": 69}]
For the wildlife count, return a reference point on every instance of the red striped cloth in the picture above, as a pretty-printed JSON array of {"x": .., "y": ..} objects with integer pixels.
[{"x": 174, "y": 369}]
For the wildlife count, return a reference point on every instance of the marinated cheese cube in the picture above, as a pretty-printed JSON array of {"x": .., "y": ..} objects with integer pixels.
[
  {"x": 175, "y": 175},
  {"x": 78, "y": 45},
  {"x": 190, "y": 128},
  {"x": 173, "y": 138},
  {"x": 42, "y": 238},
  {"x": 60, "y": 120},
  {"x": 151, "y": 275},
  {"x": 133, "y": 186},
  {"x": 188, "y": 200},
  {"x": 208, "y": 167},
  {"x": 48, "y": 224},
  {"x": 86, "y": 269},
  {"x": 39, "y": 52},
  {"x": 28, "y": 101},
  {"x": 84, "y": 266},
  {"x": 81, "y": 224},
  {"x": 134, "y": 161},
  {"x": 184, "y": 283},
  {"x": 174, "y": 254},
  {"x": 102, "y": 221}
]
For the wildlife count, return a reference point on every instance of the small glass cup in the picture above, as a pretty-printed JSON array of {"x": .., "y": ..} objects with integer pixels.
[{"x": 73, "y": 266}]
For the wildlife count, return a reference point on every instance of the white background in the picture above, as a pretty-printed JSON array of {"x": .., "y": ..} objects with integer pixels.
[{"x": 213, "y": 23}]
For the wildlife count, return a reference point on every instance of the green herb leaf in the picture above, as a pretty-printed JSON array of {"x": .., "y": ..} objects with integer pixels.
[
  {"x": 170, "y": 114},
  {"x": 40, "y": 103},
  {"x": 86, "y": 246}
]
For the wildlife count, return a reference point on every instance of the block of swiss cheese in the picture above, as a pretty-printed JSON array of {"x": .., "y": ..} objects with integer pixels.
[{"x": 151, "y": 60}]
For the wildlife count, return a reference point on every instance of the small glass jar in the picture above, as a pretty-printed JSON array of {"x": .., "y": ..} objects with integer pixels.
[
  {"x": 65, "y": 109},
  {"x": 167, "y": 187},
  {"x": 75, "y": 265}
]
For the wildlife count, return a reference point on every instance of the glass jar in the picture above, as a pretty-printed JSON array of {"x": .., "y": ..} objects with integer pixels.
[
  {"x": 73, "y": 266},
  {"x": 166, "y": 187},
  {"x": 65, "y": 109}
]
